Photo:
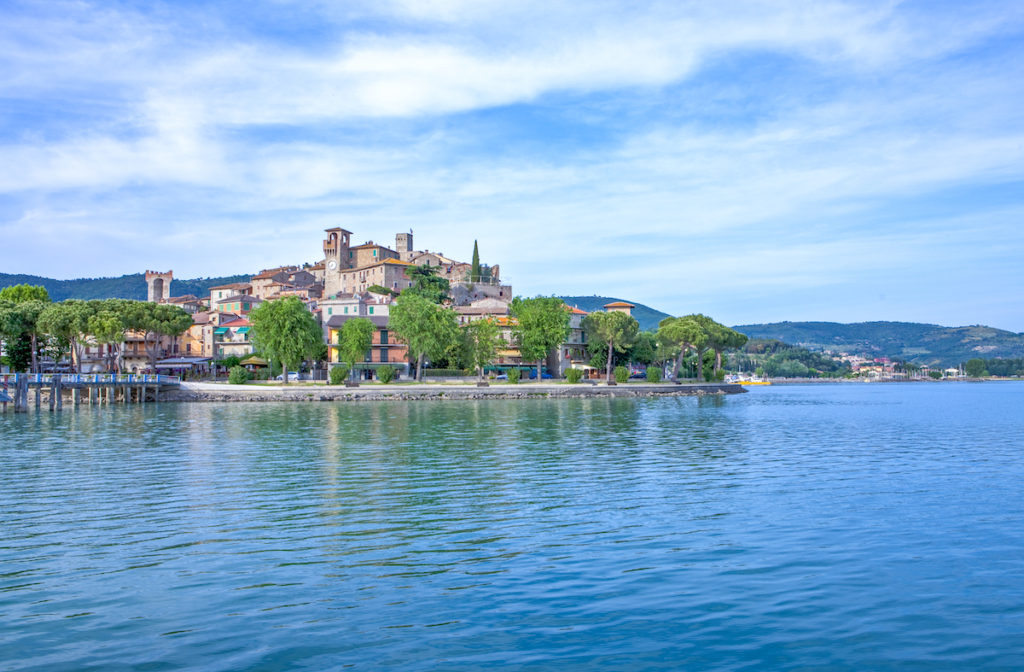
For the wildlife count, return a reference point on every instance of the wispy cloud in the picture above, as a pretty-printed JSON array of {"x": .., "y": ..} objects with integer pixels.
[{"x": 619, "y": 150}]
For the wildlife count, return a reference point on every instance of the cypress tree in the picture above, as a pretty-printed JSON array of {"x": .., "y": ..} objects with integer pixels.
[{"x": 475, "y": 272}]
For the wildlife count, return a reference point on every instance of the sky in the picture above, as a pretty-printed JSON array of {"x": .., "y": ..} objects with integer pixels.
[{"x": 755, "y": 161}]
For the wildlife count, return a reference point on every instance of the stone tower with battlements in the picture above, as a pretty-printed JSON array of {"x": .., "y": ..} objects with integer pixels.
[
  {"x": 403, "y": 245},
  {"x": 158, "y": 286}
]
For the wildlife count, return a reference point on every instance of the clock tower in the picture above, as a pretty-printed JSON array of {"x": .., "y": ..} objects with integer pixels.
[{"x": 336, "y": 259}]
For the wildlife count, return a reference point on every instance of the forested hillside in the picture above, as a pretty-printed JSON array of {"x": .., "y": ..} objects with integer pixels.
[
  {"x": 125, "y": 287},
  {"x": 647, "y": 317},
  {"x": 918, "y": 343}
]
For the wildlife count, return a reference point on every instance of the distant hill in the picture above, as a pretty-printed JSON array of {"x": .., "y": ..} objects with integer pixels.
[
  {"x": 646, "y": 316},
  {"x": 919, "y": 343},
  {"x": 125, "y": 287}
]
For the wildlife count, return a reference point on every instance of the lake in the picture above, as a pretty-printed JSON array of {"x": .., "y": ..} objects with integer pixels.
[{"x": 824, "y": 527}]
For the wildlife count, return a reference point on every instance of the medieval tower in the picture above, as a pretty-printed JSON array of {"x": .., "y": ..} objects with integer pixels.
[
  {"x": 403, "y": 245},
  {"x": 158, "y": 286},
  {"x": 336, "y": 259}
]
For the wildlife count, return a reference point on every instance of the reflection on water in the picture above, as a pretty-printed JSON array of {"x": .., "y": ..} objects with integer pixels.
[{"x": 832, "y": 527}]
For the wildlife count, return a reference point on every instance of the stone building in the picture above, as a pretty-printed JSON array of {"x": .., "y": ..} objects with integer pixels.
[{"x": 158, "y": 286}]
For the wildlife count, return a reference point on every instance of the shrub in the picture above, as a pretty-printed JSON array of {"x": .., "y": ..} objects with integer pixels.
[
  {"x": 934, "y": 375},
  {"x": 386, "y": 374},
  {"x": 338, "y": 374},
  {"x": 443, "y": 373},
  {"x": 238, "y": 376},
  {"x": 573, "y": 375},
  {"x": 653, "y": 374},
  {"x": 621, "y": 374},
  {"x": 513, "y": 375}
]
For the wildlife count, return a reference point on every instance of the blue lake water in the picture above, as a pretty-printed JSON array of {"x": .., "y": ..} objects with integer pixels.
[{"x": 818, "y": 527}]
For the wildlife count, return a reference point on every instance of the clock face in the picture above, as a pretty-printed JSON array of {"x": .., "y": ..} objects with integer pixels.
[{"x": 332, "y": 264}]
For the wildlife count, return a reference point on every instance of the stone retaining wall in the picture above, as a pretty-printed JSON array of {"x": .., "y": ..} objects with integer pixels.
[{"x": 217, "y": 392}]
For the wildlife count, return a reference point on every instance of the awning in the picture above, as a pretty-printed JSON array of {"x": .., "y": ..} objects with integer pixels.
[
  {"x": 254, "y": 361},
  {"x": 220, "y": 330},
  {"x": 182, "y": 362},
  {"x": 242, "y": 330}
]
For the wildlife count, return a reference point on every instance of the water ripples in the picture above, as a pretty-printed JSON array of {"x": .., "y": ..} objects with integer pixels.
[{"x": 847, "y": 527}]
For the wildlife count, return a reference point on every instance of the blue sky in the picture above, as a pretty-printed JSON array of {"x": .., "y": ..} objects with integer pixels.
[{"x": 754, "y": 161}]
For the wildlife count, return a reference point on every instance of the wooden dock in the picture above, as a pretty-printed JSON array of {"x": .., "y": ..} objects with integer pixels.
[{"x": 53, "y": 389}]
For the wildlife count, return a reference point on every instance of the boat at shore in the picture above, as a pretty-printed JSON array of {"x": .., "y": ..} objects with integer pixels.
[{"x": 750, "y": 380}]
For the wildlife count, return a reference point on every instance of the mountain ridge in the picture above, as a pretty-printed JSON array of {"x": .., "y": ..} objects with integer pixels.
[
  {"x": 132, "y": 286},
  {"x": 920, "y": 343}
]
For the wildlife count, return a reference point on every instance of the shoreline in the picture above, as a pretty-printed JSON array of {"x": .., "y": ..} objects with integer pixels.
[{"x": 223, "y": 392}]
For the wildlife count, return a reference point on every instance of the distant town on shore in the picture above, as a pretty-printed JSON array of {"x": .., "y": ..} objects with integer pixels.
[{"x": 363, "y": 282}]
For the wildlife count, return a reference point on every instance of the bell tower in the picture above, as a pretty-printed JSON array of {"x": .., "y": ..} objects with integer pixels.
[
  {"x": 336, "y": 259},
  {"x": 158, "y": 286}
]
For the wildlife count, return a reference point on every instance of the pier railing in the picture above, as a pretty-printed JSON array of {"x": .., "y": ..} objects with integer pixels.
[{"x": 68, "y": 379}]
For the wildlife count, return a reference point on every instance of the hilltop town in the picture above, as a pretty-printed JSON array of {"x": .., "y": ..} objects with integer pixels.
[{"x": 349, "y": 281}]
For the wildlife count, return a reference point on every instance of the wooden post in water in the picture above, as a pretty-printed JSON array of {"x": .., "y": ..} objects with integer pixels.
[
  {"x": 53, "y": 393},
  {"x": 21, "y": 395},
  {"x": 59, "y": 388}
]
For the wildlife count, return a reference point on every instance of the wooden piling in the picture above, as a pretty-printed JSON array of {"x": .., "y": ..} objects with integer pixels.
[
  {"x": 58, "y": 386},
  {"x": 21, "y": 395}
]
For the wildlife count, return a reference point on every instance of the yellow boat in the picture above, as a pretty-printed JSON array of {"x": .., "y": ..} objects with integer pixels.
[{"x": 754, "y": 382}]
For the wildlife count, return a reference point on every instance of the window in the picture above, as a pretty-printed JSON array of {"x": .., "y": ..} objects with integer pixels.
[
  {"x": 383, "y": 354},
  {"x": 383, "y": 336},
  {"x": 371, "y": 310},
  {"x": 346, "y": 310}
]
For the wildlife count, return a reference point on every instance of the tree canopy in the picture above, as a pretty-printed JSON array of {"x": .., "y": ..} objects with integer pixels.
[
  {"x": 615, "y": 328},
  {"x": 542, "y": 324},
  {"x": 354, "y": 340},
  {"x": 427, "y": 283},
  {"x": 428, "y": 329},
  {"x": 23, "y": 293},
  {"x": 480, "y": 342},
  {"x": 678, "y": 335},
  {"x": 284, "y": 330},
  {"x": 68, "y": 320}
]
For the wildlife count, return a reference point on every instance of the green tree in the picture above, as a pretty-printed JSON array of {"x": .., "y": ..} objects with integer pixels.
[
  {"x": 354, "y": 341},
  {"x": 475, "y": 273},
  {"x": 719, "y": 339},
  {"x": 480, "y": 342},
  {"x": 427, "y": 284},
  {"x": 69, "y": 321},
  {"x": 678, "y": 335},
  {"x": 108, "y": 327},
  {"x": 23, "y": 293},
  {"x": 428, "y": 329},
  {"x": 541, "y": 325},
  {"x": 19, "y": 323},
  {"x": 156, "y": 321},
  {"x": 975, "y": 368},
  {"x": 645, "y": 348},
  {"x": 20, "y": 320},
  {"x": 286, "y": 331},
  {"x": 616, "y": 329}
]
